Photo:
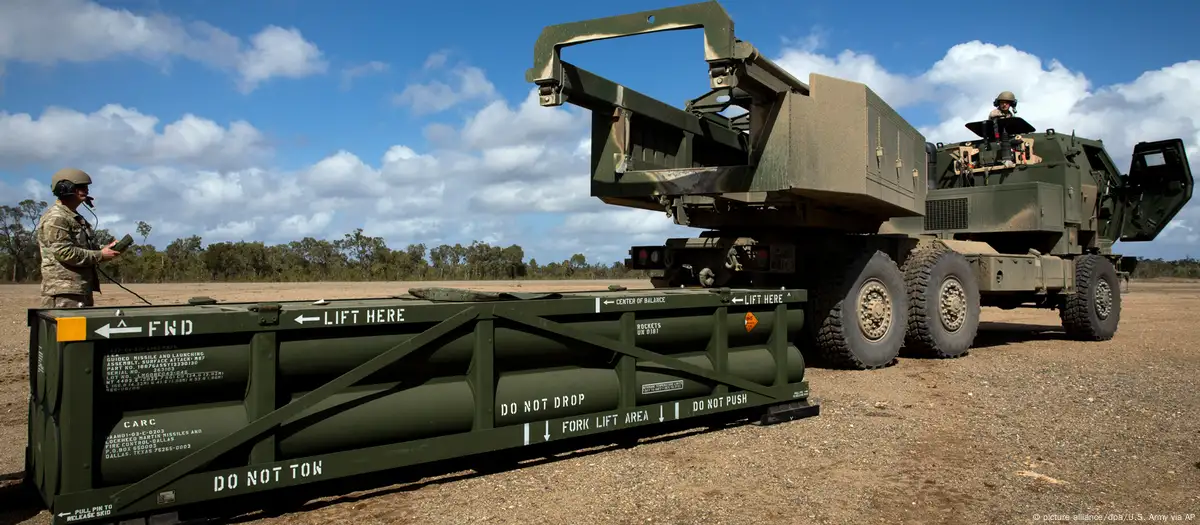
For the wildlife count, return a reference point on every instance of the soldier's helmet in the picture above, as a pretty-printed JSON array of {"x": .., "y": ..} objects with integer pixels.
[
  {"x": 75, "y": 176},
  {"x": 1005, "y": 96}
]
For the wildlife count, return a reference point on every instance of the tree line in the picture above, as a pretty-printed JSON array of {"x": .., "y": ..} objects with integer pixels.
[{"x": 354, "y": 257}]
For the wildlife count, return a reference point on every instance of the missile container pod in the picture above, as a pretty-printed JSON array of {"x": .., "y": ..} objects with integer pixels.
[{"x": 139, "y": 411}]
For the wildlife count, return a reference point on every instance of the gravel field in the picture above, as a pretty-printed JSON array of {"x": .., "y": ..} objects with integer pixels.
[{"x": 1028, "y": 427}]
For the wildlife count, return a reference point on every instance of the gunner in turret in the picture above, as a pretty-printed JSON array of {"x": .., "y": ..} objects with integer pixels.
[{"x": 1005, "y": 105}]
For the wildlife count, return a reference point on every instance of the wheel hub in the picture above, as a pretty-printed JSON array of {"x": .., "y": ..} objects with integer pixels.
[
  {"x": 874, "y": 310},
  {"x": 1103, "y": 299},
  {"x": 952, "y": 304}
]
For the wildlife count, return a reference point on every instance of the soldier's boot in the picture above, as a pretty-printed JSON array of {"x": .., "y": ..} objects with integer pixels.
[{"x": 66, "y": 301}]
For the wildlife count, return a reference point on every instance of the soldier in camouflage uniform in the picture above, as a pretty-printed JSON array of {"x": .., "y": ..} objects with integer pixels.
[
  {"x": 1005, "y": 105},
  {"x": 68, "y": 245}
]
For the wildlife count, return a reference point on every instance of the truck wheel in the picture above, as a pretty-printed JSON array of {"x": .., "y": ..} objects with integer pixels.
[
  {"x": 860, "y": 315},
  {"x": 1093, "y": 311},
  {"x": 943, "y": 302}
]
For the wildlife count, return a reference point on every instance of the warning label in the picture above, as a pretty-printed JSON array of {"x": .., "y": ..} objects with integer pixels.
[{"x": 751, "y": 321}]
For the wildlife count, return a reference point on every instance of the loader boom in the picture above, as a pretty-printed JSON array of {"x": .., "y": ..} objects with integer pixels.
[{"x": 771, "y": 166}]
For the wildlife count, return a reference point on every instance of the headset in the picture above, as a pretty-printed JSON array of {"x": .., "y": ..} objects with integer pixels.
[{"x": 66, "y": 188}]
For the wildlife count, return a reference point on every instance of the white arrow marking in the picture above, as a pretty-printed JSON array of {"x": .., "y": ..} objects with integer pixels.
[
  {"x": 738, "y": 300},
  {"x": 61, "y": 514},
  {"x": 547, "y": 430},
  {"x": 301, "y": 319},
  {"x": 609, "y": 301},
  {"x": 660, "y": 413},
  {"x": 106, "y": 330}
]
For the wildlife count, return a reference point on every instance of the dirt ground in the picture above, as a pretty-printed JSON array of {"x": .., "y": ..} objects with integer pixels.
[{"x": 1029, "y": 427}]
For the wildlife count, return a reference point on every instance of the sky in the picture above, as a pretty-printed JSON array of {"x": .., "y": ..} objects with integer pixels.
[{"x": 279, "y": 119}]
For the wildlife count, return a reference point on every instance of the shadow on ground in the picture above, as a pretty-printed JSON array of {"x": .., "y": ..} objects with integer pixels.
[
  {"x": 407, "y": 479},
  {"x": 20, "y": 503},
  {"x": 17, "y": 501},
  {"x": 991, "y": 334}
]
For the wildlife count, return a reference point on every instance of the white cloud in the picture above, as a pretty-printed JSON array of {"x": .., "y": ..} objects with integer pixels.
[
  {"x": 1159, "y": 104},
  {"x": 516, "y": 196},
  {"x": 606, "y": 234},
  {"x": 231, "y": 231},
  {"x": 436, "y": 96},
  {"x": 510, "y": 160},
  {"x": 459, "y": 193},
  {"x": 497, "y": 125},
  {"x": 116, "y": 134},
  {"x": 299, "y": 226},
  {"x": 417, "y": 229},
  {"x": 896, "y": 89},
  {"x": 278, "y": 52},
  {"x": 437, "y": 59},
  {"x": 46, "y": 32},
  {"x": 625, "y": 221},
  {"x": 370, "y": 68}
]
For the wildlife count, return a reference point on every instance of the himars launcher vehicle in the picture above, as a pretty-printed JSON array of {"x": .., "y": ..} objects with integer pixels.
[
  {"x": 823, "y": 186},
  {"x": 829, "y": 215}
]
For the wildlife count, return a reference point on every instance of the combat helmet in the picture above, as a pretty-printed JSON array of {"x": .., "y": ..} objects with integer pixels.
[
  {"x": 72, "y": 177},
  {"x": 1005, "y": 96}
]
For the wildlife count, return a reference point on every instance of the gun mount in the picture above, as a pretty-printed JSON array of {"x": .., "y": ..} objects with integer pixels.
[{"x": 823, "y": 186}]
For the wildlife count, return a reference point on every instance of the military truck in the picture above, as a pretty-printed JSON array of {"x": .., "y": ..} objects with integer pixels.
[{"x": 822, "y": 185}]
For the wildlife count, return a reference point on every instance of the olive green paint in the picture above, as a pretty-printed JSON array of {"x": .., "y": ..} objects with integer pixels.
[
  {"x": 818, "y": 177},
  {"x": 132, "y": 421}
]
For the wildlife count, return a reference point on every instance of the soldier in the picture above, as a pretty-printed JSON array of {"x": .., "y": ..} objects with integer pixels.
[
  {"x": 1005, "y": 104},
  {"x": 68, "y": 245}
]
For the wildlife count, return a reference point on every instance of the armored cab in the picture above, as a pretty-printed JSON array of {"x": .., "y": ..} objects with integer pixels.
[{"x": 1058, "y": 194}]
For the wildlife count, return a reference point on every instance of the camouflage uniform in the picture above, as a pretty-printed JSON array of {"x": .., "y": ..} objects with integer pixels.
[
  {"x": 1006, "y": 96},
  {"x": 69, "y": 252}
]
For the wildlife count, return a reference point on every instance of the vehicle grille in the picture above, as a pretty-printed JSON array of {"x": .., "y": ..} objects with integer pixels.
[{"x": 946, "y": 214}]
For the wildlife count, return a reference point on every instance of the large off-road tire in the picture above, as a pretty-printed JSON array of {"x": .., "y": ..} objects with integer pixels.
[
  {"x": 1093, "y": 311},
  {"x": 943, "y": 302},
  {"x": 859, "y": 315}
]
